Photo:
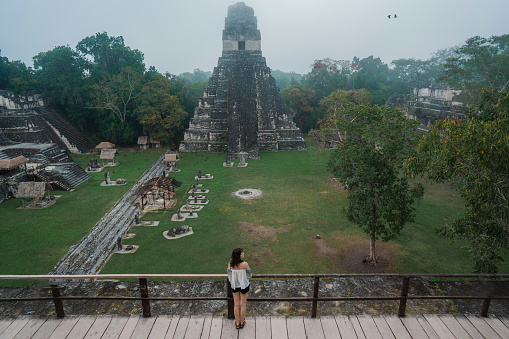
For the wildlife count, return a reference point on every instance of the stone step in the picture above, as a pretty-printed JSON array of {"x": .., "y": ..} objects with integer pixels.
[{"x": 75, "y": 138}]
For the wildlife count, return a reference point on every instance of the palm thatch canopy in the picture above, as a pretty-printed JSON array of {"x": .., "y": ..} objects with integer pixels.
[
  {"x": 31, "y": 189},
  {"x": 105, "y": 145},
  {"x": 108, "y": 154},
  {"x": 170, "y": 157},
  {"x": 142, "y": 140},
  {"x": 10, "y": 164}
]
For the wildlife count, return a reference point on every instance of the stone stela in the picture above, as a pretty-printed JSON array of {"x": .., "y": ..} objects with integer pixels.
[
  {"x": 93, "y": 166},
  {"x": 228, "y": 161},
  {"x": 194, "y": 202},
  {"x": 242, "y": 156},
  {"x": 108, "y": 182},
  {"x": 241, "y": 109}
]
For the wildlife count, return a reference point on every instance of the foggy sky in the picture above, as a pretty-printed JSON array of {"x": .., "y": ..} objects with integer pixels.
[{"x": 179, "y": 36}]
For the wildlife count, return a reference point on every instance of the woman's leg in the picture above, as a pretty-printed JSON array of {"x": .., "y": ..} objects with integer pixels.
[
  {"x": 236, "y": 307},
  {"x": 243, "y": 305}
]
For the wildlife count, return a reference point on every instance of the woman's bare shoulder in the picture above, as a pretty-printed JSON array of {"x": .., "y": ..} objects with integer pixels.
[{"x": 245, "y": 265}]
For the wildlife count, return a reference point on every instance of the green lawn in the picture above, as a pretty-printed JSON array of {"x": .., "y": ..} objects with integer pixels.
[
  {"x": 276, "y": 231},
  {"x": 32, "y": 241}
]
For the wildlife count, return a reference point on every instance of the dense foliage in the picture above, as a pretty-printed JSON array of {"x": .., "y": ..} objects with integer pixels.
[
  {"x": 15, "y": 76},
  {"x": 286, "y": 79},
  {"x": 481, "y": 63},
  {"x": 104, "y": 89},
  {"x": 73, "y": 80},
  {"x": 369, "y": 165},
  {"x": 370, "y": 74},
  {"x": 473, "y": 154},
  {"x": 301, "y": 101}
]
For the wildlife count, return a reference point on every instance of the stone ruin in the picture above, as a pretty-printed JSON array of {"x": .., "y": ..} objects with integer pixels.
[
  {"x": 24, "y": 118},
  {"x": 429, "y": 103},
  {"x": 28, "y": 128},
  {"x": 178, "y": 230},
  {"x": 242, "y": 109},
  {"x": 93, "y": 166}
]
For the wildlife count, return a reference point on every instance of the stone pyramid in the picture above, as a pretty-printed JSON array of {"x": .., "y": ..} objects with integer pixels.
[{"x": 241, "y": 110}]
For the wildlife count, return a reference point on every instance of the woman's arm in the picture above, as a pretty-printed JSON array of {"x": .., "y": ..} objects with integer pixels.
[{"x": 245, "y": 266}]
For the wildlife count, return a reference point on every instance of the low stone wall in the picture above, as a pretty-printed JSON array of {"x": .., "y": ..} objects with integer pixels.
[{"x": 359, "y": 287}]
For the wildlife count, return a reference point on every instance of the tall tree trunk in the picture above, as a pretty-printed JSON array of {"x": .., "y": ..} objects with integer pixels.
[{"x": 372, "y": 249}]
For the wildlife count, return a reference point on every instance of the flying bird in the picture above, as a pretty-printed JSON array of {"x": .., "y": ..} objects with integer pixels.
[
  {"x": 389, "y": 16},
  {"x": 395, "y": 16}
]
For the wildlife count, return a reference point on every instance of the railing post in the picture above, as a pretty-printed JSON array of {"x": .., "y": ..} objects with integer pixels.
[
  {"x": 145, "y": 303},
  {"x": 404, "y": 294},
  {"x": 315, "y": 296},
  {"x": 59, "y": 306},
  {"x": 231, "y": 305},
  {"x": 485, "y": 307}
]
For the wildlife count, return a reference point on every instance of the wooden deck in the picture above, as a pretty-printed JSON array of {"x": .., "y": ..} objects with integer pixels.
[{"x": 368, "y": 327}]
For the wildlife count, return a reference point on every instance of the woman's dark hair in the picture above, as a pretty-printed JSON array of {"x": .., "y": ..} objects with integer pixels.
[{"x": 235, "y": 260}]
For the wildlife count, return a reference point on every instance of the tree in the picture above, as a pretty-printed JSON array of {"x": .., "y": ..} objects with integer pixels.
[
  {"x": 406, "y": 73},
  {"x": 61, "y": 77},
  {"x": 473, "y": 154},
  {"x": 372, "y": 75},
  {"x": 333, "y": 107},
  {"x": 369, "y": 164},
  {"x": 479, "y": 64},
  {"x": 197, "y": 76},
  {"x": 188, "y": 93},
  {"x": 286, "y": 79},
  {"x": 15, "y": 76},
  {"x": 300, "y": 100},
  {"x": 4, "y": 72},
  {"x": 328, "y": 75},
  {"x": 110, "y": 55},
  {"x": 338, "y": 101},
  {"x": 160, "y": 112},
  {"x": 116, "y": 95}
]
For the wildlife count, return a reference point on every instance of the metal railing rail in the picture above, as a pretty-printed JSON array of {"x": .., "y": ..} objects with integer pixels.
[{"x": 145, "y": 298}]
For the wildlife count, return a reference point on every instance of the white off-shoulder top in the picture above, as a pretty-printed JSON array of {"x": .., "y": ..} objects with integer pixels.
[{"x": 239, "y": 278}]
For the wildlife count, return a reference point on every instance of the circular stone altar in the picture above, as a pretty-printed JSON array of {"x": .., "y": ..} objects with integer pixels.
[{"x": 248, "y": 193}]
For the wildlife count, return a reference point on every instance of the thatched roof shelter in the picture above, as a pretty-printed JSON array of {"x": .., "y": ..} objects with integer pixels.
[
  {"x": 31, "y": 190},
  {"x": 105, "y": 145},
  {"x": 143, "y": 140},
  {"x": 170, "y": 158},
  {"x": 10, "y": 164},
  {"x": 108, "y": 154}
]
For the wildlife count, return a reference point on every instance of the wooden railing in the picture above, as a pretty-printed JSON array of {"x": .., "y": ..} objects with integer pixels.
[{"x": 145, "y": 298}]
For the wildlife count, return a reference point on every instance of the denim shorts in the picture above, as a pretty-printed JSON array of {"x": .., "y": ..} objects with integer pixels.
[{"x": 241, "y": 290}]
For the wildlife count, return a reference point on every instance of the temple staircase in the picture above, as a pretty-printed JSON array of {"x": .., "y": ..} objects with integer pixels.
[{"x": 74, "y": 140}]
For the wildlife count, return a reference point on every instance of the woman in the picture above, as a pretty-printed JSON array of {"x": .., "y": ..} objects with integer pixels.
[{"x": 238, "y": 274}]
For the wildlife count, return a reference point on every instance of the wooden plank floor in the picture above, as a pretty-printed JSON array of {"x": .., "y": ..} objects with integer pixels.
[{"x": 175, "y": 327}]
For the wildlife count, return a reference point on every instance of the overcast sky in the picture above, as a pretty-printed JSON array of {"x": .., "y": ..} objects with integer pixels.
[{"x": 180, "y": 35}]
